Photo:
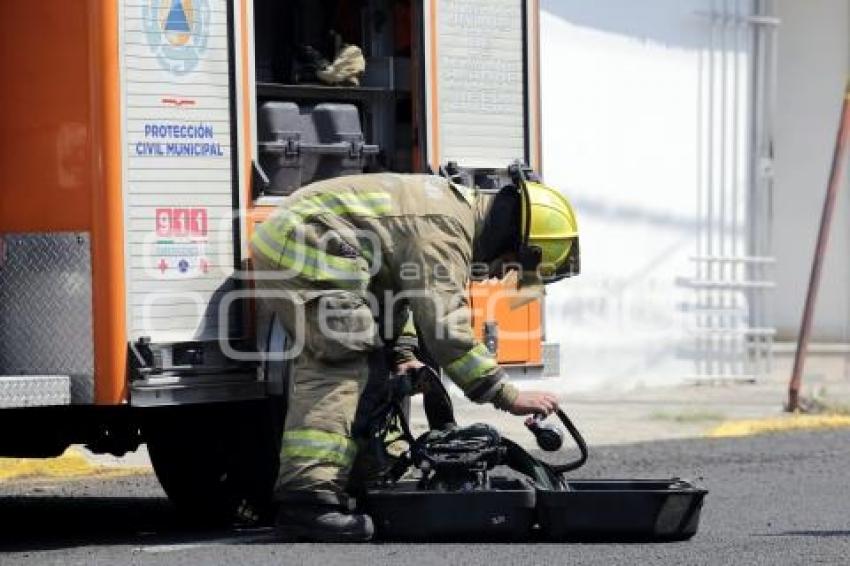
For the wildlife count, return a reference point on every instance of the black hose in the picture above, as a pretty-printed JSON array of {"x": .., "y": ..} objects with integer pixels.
[{"x": 578, "y": 439}]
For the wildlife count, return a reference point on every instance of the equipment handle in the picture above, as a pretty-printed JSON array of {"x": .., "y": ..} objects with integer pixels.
[{"x": 578, "y": 439}]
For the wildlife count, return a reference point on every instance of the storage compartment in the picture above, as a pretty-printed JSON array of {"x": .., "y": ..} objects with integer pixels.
[
  {"x": 613, "y": 510},
  {"x": 456, "y": 498},
  {"x": 516, "y": 333},
  {"x": 503, "y": 512},
  {"x": 303, "y": 144},
  {"x": 335, "y": 90}
]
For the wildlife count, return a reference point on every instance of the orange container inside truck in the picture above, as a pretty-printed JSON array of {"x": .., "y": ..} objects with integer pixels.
[{"x": 133, "y": 167}]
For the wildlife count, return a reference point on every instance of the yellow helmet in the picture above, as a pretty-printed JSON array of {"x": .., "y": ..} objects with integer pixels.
[{"x": 549, "y": 243}]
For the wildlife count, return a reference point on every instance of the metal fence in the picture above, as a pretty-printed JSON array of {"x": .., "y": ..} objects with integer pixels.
[{"x": 733, "y": 263}]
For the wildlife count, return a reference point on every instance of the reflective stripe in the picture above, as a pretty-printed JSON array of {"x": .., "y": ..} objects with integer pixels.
[
  {"x": 486, "y": 389},
  {"x": 310, "y": 262},
  {"x": 268, "y": 247},
  {"x": 341, "y": 204},
  {"x": 319, "y": 265},
  {"x": 354, "y": 278},
  {"x": 273, "y": 237},
  {"x": 471, "y": 366},
  {"x": 409, "y": 328},
  {"x": 318, "y": 445},
  {"x": 366, "y": 204},
  {"x": 280, "y": 224},
  {"x": 378, "y": 201}
]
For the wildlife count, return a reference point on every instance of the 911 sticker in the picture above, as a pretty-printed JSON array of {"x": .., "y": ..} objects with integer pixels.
[
  {"x": 180, "y": 249},
  {"x": 181, "y": 222}
]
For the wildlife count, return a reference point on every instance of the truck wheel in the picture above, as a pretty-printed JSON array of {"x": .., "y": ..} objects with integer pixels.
[{"x": 218, "y": 463}]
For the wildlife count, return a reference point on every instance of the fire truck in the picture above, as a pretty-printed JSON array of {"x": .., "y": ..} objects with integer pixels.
[{"x": 142, "y": 141}]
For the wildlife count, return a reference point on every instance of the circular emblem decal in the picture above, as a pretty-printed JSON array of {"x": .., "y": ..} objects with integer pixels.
[{"x": 177, "y": 32}]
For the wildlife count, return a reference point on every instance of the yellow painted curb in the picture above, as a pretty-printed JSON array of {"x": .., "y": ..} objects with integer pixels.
[
  {"x": 71, "y": 464},
  {"x": 733, "y": 429}
]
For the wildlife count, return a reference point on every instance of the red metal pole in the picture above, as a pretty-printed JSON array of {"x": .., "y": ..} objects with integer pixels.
[{"x": 835, "y": 178}]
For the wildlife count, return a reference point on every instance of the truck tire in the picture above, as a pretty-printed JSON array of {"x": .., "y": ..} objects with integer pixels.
[{"x": 218, "y": 463}]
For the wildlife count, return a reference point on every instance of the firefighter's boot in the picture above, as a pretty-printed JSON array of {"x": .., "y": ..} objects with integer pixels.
[{"x": 305, "y": 522}]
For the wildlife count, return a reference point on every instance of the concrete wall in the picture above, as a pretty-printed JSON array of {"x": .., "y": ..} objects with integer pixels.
[
  {"x": 620, "y": 112},
  {"x": 620, "y": 100},
  {"x": 814, "y": 61}
]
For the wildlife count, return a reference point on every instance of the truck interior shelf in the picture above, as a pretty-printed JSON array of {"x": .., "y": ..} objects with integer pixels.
[{"x": 324, "y": 93}]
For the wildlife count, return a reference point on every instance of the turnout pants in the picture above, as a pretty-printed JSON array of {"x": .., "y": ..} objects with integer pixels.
[{"x": 335, "y": 331}]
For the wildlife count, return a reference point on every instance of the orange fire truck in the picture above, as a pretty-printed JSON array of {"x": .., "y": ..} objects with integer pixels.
[{"x": 141, "y": 142}]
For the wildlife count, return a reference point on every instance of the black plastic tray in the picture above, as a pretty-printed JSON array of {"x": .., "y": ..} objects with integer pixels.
[
  {"x": 611, "y": 510},
  {"x": 505, "y": 512}
]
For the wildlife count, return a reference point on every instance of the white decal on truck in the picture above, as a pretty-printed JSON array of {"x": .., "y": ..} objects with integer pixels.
[
  {"x": 177, "y": 32},
  {"x": 480, "y": 46},
  {"x": 178, "y": 177}
]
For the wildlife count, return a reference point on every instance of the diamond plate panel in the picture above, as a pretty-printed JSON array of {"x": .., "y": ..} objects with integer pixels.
[
  {"x": 34, "y": 391},
  {"x": 46, "y": 309}
]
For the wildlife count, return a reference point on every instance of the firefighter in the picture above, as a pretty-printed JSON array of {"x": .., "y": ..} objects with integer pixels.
[{"x": 337, "y": 251}]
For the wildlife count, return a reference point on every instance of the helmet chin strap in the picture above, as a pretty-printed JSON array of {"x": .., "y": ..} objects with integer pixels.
[
  {"x": 529, "y": 257},
  {"x": 500, "y": 233}
]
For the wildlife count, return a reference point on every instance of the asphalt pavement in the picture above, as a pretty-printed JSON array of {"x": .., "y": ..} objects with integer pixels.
[{"x": 774, "y": 499}]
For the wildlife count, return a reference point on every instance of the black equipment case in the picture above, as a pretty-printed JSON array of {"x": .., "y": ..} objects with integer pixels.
[{"x": 455, "y": 498}]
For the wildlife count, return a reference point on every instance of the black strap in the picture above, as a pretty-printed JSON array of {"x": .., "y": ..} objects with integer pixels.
[
  {"x": 541, "y": 473},
  {"x": 436, "y": 400}
]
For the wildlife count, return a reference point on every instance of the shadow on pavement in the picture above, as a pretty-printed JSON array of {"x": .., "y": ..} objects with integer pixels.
[{"x": 50, "y": 523}]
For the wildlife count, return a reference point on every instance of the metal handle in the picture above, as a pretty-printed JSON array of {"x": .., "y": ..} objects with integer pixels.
[
  {"x": 293, "y": 148},
  {"x": 578, "y": 439}
]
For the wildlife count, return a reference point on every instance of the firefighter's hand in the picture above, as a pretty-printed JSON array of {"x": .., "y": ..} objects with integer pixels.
[
  {"x": 534, "y": 403},
  {"x": 405, "y": 367}
]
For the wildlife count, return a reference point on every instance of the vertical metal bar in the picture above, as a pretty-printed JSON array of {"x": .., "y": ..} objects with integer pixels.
[
  {"x": 768, "y": 216},
  {"x": 756, "y": 308},
  {"x": 746, "y": 180},
  {"x": 836, "y": 177},
  {"x": 736, "y": 49},
  {"x": 700, "y": 226},
  {"x": 722, "y": 319},
  {"x": 755, "y": 179},
  {"x": 763, "y": 184},
  {"x": 759, "y": 207},
  {"x": 732, "y": 201},
  {"x": 710, "y": 187}
]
